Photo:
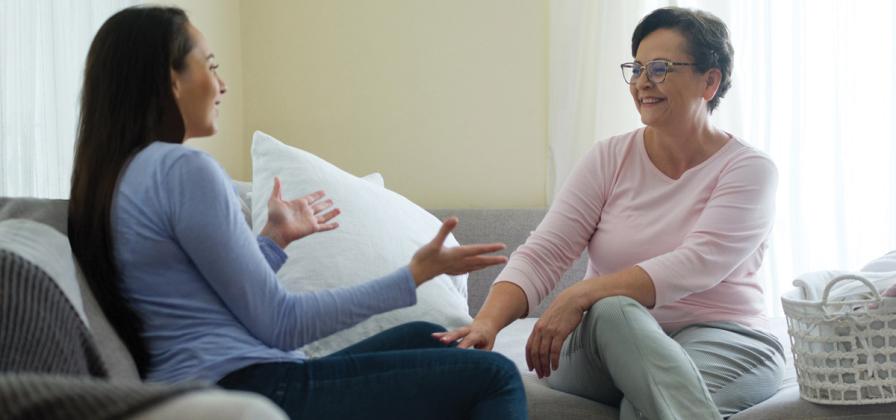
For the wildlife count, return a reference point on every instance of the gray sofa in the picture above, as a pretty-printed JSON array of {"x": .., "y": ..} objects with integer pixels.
[
  {"x": 510, "y": 226},
  {"x": 208, "y": 404}
]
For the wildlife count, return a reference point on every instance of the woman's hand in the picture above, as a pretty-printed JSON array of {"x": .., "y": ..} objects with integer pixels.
[
  {"x": 478, "y": 335},
  {"x": 296, "y": 219},
  {"x": 556, "y": 323},
  {"x": 434, "y": 259}
]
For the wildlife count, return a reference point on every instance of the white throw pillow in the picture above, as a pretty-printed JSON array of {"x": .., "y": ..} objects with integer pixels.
[
  {"x": 379, "y": 231},
  {"x": 47, "y": 249}
]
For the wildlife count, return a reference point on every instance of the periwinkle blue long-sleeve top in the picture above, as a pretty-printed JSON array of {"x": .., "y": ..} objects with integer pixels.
[{"x": 205, "y": 286}]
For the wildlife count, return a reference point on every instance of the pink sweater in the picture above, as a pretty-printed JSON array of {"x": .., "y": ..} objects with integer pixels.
[{"x": 701, "y": 238}]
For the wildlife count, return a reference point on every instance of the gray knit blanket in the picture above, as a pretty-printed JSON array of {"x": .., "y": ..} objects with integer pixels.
[{"x": 49, "y": 365}]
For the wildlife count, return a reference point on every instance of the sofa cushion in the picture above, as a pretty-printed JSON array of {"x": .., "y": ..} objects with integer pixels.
[
  {"x": 214, "y": 404},
  {"x": 48, "y": 250},
  {"x": 545, "y": 402},
  {"x": 54, "y": 213},
  {"x": 40, "y": 330}
]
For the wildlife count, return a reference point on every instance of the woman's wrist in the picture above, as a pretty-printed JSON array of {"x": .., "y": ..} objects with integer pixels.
[
  {"x": 271, "y": 233},
  {"x": 489, "y": 323},
  {"x": 419, "y": 272}
]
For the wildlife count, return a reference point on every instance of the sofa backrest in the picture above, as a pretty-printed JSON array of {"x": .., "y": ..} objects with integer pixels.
[
  {"x": 512, "y": 227},
  {"x": 54, "y": 213}
]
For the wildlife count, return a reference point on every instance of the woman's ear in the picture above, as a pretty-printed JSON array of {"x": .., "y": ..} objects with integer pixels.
[
  {"x": 713, "y": 81},
  {"x": 175, "y": 84}
]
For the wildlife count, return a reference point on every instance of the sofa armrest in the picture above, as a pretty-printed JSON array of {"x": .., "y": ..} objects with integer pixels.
[{"x": 214, "y": 404}]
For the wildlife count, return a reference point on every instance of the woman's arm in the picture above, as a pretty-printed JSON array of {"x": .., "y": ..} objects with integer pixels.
[
  {"x": 535, "y": 267},
  {"x": 733, "y": 224},
  {"x": 505, "y": 303},
  {"x": 207, "y": 224}
]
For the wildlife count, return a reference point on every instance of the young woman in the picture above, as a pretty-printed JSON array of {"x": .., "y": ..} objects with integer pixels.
[
  {"x": 157, "y": 229},
  {"x": 675, "y": 215}
]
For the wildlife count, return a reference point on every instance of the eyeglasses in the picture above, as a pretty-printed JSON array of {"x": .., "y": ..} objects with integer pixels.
[{"x": 656, "y": 70}]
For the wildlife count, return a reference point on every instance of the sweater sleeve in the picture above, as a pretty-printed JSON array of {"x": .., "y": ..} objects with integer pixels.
[
  {"x": 206, "y": 220},
  {"x": 272, "y": 252},
  {"x": 537, "y": 265},
  {"x": 735, "y": 221}
]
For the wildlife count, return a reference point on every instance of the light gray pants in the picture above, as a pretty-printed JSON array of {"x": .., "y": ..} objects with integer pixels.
[{"x": 619, "y": 355}]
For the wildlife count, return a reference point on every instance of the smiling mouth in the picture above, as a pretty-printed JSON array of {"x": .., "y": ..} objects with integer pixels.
[{"x": 650, "y": 100}]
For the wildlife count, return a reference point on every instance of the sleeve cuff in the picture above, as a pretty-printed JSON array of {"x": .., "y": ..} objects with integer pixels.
[
  {"x": 275, "y": 256},
  {"x": 408, "y": 286},
  {"x": 653, "y": 267},
  {"x": 520, "y": 277}
]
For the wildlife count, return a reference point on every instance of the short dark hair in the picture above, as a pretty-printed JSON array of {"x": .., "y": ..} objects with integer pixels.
[{"x": 707, "y": 36}]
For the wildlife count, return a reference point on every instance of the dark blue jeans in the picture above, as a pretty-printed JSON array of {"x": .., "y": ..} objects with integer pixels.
[{"x": 401, "y": 373}]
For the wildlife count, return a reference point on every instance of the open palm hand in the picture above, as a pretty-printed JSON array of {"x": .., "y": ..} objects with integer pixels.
[{"x": 295, "y": 219}]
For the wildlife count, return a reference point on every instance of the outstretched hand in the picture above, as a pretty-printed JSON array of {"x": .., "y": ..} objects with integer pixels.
[
  {"x": 477, "y": 335},
  {"x": 434, "y": 258},
  {"x": 296, "y": 219}
]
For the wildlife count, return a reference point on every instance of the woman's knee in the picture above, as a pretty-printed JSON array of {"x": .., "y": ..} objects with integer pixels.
[
  {"x": 610, "y": 312},
  {"x": 613, "y": 304},
  {"x": 498, "y": 365},
  {"x": 421, "y": 327}
]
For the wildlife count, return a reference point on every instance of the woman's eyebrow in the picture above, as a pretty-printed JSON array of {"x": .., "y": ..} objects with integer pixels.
[{"x": 655, "y": 59}]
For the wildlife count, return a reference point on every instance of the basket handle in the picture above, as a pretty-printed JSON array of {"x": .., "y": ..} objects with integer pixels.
[{"x": 838, "y": 279}]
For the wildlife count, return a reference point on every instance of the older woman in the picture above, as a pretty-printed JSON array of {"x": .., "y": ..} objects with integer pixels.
[{"x": 676, "y": 216}]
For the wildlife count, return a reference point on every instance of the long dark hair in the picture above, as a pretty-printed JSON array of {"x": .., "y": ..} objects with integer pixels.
[{"x": 126, "y": 103}]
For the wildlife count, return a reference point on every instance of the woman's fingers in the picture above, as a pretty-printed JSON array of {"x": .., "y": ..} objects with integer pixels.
[
  {"x": 447, "y": 226},
  {"x": 556, "y": 348},
  {"x": 321, "y": 206},
  {"x": 470, "y": 342},
  {"x": 453, "y": 334},
  {"x": 469, "y": 336},
  {"x": 326, "y": 217},
  {"x": 468, "y": 265},
  {"x": 530, "y": 346},
  {"x": 311, "y": 198},
  {"x": 275, "y": 193},
  {"x": 327, "y": 227},
  {"x": 544, "y": 354},
  {"x": 478, "y": 249}
]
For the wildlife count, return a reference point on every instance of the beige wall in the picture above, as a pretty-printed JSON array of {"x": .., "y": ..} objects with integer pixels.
[
  {"x": 219, "y": 21},
  {"x": 447, "y": 99}
]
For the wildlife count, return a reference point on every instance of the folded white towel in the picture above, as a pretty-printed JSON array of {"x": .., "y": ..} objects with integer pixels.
[
  {"x": 884, "y": 263},
  {"x": 813, "y": 284}
]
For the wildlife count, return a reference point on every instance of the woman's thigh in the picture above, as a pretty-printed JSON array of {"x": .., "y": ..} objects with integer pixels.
[
  {"x": 404, "y": 384},
  {"x": 412, "y": 335},
  {"x": 740, "y": 366}
]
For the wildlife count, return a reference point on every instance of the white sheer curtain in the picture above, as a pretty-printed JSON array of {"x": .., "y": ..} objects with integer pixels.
[
  {"x": 814, "y": 87},
  {"x": 43, "y": 45}
]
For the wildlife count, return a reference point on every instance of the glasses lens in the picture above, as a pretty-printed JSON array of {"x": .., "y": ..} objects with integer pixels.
[
  {"x": 656, "y": 71},
  {"x": 631, "y": 72}
]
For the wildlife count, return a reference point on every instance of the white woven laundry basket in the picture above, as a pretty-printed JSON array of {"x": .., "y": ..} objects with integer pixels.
[{"x": 844, "y": 351}]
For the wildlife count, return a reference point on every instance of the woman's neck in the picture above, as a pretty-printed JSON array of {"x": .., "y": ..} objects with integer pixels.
[{"x": 674, "y": 150}]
